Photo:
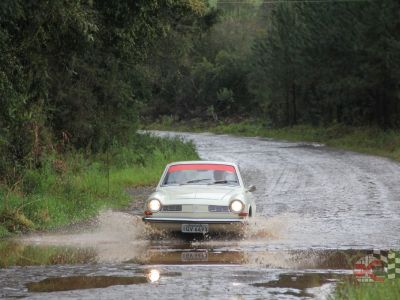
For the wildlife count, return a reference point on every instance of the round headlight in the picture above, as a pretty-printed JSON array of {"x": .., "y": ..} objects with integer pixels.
[
  {"x": 236, "y": 206},
  {"x": 154, "y": 205}
]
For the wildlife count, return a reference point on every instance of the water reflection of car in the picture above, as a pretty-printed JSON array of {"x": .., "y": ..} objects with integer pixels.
[
  {"x": 200, "y": 197},
  {"x": 193, "y": 256}
]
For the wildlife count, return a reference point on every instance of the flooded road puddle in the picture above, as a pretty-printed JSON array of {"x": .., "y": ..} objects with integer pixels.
[
  {"x": 58, "y": 284},
  {"x": 173, "y": 266}
]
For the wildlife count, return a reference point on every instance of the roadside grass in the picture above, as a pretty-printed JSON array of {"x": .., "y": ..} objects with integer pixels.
[
  {"x": 76, "y": 186},
  {"x": 389, "y": 289},
  {"x": 369, "y": 140}
]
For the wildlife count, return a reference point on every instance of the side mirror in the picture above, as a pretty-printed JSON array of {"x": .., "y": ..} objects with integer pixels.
[{"x": 251, "y": 188}]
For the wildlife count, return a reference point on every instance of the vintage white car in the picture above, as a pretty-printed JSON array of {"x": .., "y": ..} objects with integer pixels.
[{"x": 200, "y": 197}]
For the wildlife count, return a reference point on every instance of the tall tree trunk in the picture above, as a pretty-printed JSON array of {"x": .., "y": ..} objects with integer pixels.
[
  {"x": 288, "y": 119},
  {"x": 294, "y": 103}
]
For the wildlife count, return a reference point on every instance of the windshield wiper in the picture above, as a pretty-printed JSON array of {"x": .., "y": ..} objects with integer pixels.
[
  {"x": 195, "y": 180},
  {"x": 222, "y": 181}
]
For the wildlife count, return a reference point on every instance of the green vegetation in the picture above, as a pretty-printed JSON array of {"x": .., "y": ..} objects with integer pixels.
[
  {"x": 389, "y": 289},
  {"x": 286, "y": 63},
  {"x": 76, "y": 186},
  {"x": 73, "y": 73},
  {"x": 316, "y": 64},
  {"x": 74, "y": 76},
  {"x": 203, "y": 73}
]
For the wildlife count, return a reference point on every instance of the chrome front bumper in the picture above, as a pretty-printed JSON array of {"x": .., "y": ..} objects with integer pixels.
[{"x": 190, "y": 220}]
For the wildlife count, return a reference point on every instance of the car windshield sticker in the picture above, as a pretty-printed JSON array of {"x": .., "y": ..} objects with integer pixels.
[{"x": 213, "y": 167}]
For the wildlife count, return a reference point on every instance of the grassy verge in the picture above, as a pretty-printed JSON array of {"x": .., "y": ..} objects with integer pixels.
[
  {"x": 361, "y": 139},
  {"x": 389, "y": 289},
  {"x": 76, "y": 186}
]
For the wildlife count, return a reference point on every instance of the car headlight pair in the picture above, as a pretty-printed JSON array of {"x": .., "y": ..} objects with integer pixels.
[
  {"x": 154, "y": 205},
  {"x": 236, "y": 206}
]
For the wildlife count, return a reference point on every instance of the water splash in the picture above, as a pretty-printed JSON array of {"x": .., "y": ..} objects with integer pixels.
[
  {"x": 269, "y": 228},
  {"x": 116, "y": 237}
]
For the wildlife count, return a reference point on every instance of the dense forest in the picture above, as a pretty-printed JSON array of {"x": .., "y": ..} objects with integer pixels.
[
  {"x": 73, "y": 81},
  {"x": 288, "y": 63},
  {"x": 83, "y": 74},
  {"x": 73, "y": 73}
]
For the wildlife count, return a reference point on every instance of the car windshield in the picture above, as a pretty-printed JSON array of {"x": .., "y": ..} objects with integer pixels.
[{"x": 210, "y": 174}]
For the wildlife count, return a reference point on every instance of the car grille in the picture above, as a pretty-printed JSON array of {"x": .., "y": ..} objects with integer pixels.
[
  {"x": 218, "y": 208},
  {"x": 172, "y": 208}
]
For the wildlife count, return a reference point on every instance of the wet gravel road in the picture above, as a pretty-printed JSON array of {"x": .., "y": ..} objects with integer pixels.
[
  {"x": 320, "y": 211},
  {"x": 332, "y": 198}
]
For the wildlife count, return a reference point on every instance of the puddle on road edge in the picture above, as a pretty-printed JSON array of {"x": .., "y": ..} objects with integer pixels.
[
  {"x": 299, "y": 284},
  {"x": 58, "y": 284},
  {"x": 69, "y": 283}
]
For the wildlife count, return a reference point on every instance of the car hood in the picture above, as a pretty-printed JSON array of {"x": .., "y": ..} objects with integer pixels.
[{"x": 186, "y": 194}]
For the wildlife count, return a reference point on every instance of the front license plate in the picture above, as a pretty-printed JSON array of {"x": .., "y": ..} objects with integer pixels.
[
  {"x": 195, "y": 228},
  {"x": 194, "y": 256}
]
